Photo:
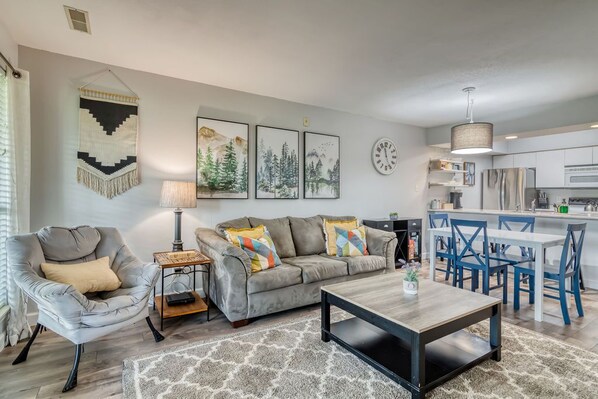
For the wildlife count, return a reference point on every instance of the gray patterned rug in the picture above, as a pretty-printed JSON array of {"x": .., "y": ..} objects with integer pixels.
[{"x": 290, "y": 361}]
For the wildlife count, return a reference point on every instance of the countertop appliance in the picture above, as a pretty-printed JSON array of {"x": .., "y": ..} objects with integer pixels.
[
  {"x": 455, "y": 199},
  {"x": 581, "y": 176},
  {"x": 511, "y": 189},
  {"x": 580, "y": 204}
]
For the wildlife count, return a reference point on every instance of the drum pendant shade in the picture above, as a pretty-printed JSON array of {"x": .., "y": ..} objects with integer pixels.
[{"x": 472, "y": 138}]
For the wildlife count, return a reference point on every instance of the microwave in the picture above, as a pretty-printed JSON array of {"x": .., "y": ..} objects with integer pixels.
[{"x": 581, "y": 176}]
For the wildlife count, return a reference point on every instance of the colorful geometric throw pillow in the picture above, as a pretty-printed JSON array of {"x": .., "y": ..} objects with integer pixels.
[
  {"x": 330, "y": 233},
  {"x": 254, "y": 232},
  {"x": 261, "y": 251},
  {"x": 351, "y": 242}
]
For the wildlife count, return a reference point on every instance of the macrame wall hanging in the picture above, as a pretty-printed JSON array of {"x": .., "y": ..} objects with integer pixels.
[{"x": 108, "y": 125}]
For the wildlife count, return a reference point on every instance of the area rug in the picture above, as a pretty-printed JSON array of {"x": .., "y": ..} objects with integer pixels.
[{"x": 290, "y": 361}]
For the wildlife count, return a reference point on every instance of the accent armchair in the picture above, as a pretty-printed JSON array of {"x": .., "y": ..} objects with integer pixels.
[{"x": 64, "y": 310}]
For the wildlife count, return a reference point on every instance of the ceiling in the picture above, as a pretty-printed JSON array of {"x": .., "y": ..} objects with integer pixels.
[{"x": 400, "y": 60}]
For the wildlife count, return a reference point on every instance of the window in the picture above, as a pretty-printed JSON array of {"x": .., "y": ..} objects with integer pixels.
[{"x": 6, "y": 187}]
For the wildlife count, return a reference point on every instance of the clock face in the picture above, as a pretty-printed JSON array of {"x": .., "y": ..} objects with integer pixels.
[{"x": 385, "y": 156}]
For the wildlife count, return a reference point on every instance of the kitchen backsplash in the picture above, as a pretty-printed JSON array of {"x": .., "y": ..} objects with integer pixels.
[{"x": 556, "y": 195}]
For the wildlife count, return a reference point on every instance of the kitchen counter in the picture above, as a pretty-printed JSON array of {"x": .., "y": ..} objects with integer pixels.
[{"x": 537, "y": 214}]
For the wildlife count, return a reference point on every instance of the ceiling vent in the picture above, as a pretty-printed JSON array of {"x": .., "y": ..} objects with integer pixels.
[{"x": 78, "y": 19}]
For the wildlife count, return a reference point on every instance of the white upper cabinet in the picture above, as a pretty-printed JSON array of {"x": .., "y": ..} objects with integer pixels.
[
  {"x": 550, "y": 169},
  {"x": 595, "y": 155},
  {"x": 527, "y": 160},
  {"x": 502, "y": 161},
  {"x": 578, "y": 156}
]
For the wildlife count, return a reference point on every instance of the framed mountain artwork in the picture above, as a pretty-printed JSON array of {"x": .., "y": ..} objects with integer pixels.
[
  {"x": 221, "y": 159},
  {"x": 322, "y": 166},
  {"x": 277, "y": 163}
]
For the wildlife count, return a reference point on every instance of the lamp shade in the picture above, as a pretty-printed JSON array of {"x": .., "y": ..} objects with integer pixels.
[
  {"x": 472, "y": 138},
  {"x": 178, "y": 194}
]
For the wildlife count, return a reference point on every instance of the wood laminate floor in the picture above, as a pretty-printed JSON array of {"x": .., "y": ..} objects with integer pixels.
[{"x": 44, "y": 373}]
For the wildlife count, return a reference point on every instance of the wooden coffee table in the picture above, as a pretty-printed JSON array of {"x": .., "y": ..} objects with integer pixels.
[{"x": 416, "y": 340}]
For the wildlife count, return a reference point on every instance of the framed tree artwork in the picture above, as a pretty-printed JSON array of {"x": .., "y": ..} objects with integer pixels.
[
  {"x": 277, "y": 163},
  {"x": 469, "y": 176},
  {"x": 322, "y": 166},
  {"x": 221, "y": 159}
]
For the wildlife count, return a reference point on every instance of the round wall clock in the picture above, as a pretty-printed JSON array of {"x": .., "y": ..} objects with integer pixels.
[{"x": 385, "y": 156}]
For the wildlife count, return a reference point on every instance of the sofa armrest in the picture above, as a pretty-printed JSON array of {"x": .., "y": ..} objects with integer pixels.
[
  {"x": 382, "y": 243},
  {"x": 230, "y": 270}
]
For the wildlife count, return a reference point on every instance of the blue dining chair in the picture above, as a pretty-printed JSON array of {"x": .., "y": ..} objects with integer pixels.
[
  {"x": 517, "y": 223},
  {"x": 569, "y": 267},
  {"x": 467, "y": 258},
  {"x": 444, "y": 245}
]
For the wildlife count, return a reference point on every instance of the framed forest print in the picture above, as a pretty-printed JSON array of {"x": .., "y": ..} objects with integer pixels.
[
  {"x": 322, "y": 166},
  {"x": 221, "y": 159},
  {"x": 277, "y": 163}
]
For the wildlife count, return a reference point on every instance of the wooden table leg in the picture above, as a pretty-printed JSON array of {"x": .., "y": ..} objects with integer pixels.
[
  {"x": 539, "y": 284},
  {"x": 418, "y": 365},
  {"x": 325, "y": 317},
  {"x": 432, "y": 251},
  {"x": 495, "y": 332}
]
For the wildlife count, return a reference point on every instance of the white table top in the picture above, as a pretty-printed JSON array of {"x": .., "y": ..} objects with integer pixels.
[{"x": 507, "y": 237}]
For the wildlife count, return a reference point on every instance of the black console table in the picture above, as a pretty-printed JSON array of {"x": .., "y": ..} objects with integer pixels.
[{"x": 406, "y": 228}]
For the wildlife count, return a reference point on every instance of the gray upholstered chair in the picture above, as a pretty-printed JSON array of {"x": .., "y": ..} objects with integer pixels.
[{"x": 62, "y": 309}]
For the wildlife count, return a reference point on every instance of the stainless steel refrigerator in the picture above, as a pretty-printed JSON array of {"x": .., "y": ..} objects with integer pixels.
[{"x": 508, "y": 189}]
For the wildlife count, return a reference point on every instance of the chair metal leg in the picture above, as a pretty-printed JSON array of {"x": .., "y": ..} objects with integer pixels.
[
  {"x": 23, "y": 355},
  {"x": 577, "y": 295},
  {"x": 485, "y": 283},
  {"x": 460, "y": 276},
  {"x": 157, "y": 336},
  {"x": 516, "y": 282},
  {"x": 72, "y": 380},
  {"x": 531, "y": 285},
  {"x": 563, "y": 300}
]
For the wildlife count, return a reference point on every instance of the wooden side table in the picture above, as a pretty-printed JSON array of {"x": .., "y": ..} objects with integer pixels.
[{"x": 183, "y": 262}]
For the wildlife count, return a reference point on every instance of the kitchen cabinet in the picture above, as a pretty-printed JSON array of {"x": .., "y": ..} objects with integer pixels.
[
  {"x": 527, "y": 160},
  {"x": 502, "y": 161},
  {"x": 550, "y": 169},
  {"x": 595, "y": 155},
  {"x": 578, "y": 156}
]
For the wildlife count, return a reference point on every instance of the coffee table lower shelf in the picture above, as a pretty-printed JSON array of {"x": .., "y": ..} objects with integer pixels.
[{"x": 445, "y": 357}]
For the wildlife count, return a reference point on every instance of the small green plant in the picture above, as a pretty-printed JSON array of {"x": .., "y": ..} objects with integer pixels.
[
  {"x": 393, "y": 215},
  {"x": 411, "y": 275},
  {"x": 412, "y": 272}
]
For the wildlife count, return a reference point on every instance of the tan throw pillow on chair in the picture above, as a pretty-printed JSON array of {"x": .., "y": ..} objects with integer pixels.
[{"x": 86, "y": 277}]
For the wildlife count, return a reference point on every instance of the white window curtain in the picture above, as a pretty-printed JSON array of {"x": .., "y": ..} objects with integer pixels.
[{"x": 15, "y": 172}]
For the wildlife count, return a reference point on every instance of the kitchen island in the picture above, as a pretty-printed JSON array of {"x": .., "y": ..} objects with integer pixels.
[{"x": 550, "y": 223}]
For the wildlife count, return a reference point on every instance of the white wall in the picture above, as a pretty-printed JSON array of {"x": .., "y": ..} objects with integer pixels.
[
  {"x": 8, "y": 46},
  {"x": 168, "y": 108}
]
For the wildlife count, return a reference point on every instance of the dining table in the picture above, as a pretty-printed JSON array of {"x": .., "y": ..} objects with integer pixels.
[{"x": 539, "y": 242}]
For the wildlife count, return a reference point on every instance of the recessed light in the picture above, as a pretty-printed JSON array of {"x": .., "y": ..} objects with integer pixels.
[
  {"x": 594, "y": 126},
  {"x": 510, "y": 137}
]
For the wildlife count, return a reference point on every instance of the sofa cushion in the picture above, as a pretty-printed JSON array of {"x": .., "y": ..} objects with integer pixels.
[
  {"x": 279, "y": 277},
  {"x": 362, "y": 264},
  {"x": 308, "y": 235},
  {"x": 240, "y": 223},
  {"x": 317, "y": 268},
  {"x": 280, "y": 231}
]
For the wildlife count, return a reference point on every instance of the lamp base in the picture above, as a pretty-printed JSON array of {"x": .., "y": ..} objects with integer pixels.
[{"x": 177, "y": 246}]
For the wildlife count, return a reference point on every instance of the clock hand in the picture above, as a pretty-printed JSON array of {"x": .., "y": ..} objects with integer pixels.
[{"x": 386, "y": 155}]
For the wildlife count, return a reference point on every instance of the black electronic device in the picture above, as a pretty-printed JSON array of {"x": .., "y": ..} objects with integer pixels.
[{"x": 182, "y": 298}]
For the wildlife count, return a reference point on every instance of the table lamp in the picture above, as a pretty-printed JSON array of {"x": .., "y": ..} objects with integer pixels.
[{"x": 178, "y": 194}]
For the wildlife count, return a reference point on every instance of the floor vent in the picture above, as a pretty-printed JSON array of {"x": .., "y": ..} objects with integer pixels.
[{"x": 78, "y": 19}]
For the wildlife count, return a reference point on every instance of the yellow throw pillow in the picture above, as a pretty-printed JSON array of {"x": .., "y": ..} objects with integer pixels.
[
  {"x": 330, "y": 232},
  {"x": 91, "y": 276},
  {"x": 254, "y": 233}
]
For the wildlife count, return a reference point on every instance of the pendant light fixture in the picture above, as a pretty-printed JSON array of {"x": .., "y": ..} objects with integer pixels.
[{"x": 471, "y": 137}]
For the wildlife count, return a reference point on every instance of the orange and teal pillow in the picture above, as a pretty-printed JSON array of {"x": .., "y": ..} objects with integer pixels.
[
  {"x": 351, "y": 242},
  {"x": 261, "y": 251},
  {"x": 330, "y": 233}
]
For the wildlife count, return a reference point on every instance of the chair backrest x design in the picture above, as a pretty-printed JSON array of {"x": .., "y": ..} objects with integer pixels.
[
  {"x": 522, "y": 224},
  {"x": 439, "y": 220},
  {"x": 468, "y": 231},
  {"x": 571, "y": 256}
]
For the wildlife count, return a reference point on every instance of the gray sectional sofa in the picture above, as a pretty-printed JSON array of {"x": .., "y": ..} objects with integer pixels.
[{"x": 300, "y": 243}]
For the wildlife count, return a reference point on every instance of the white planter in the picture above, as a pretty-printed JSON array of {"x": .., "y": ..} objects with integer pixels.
[{"x": 410, "y": 287}]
